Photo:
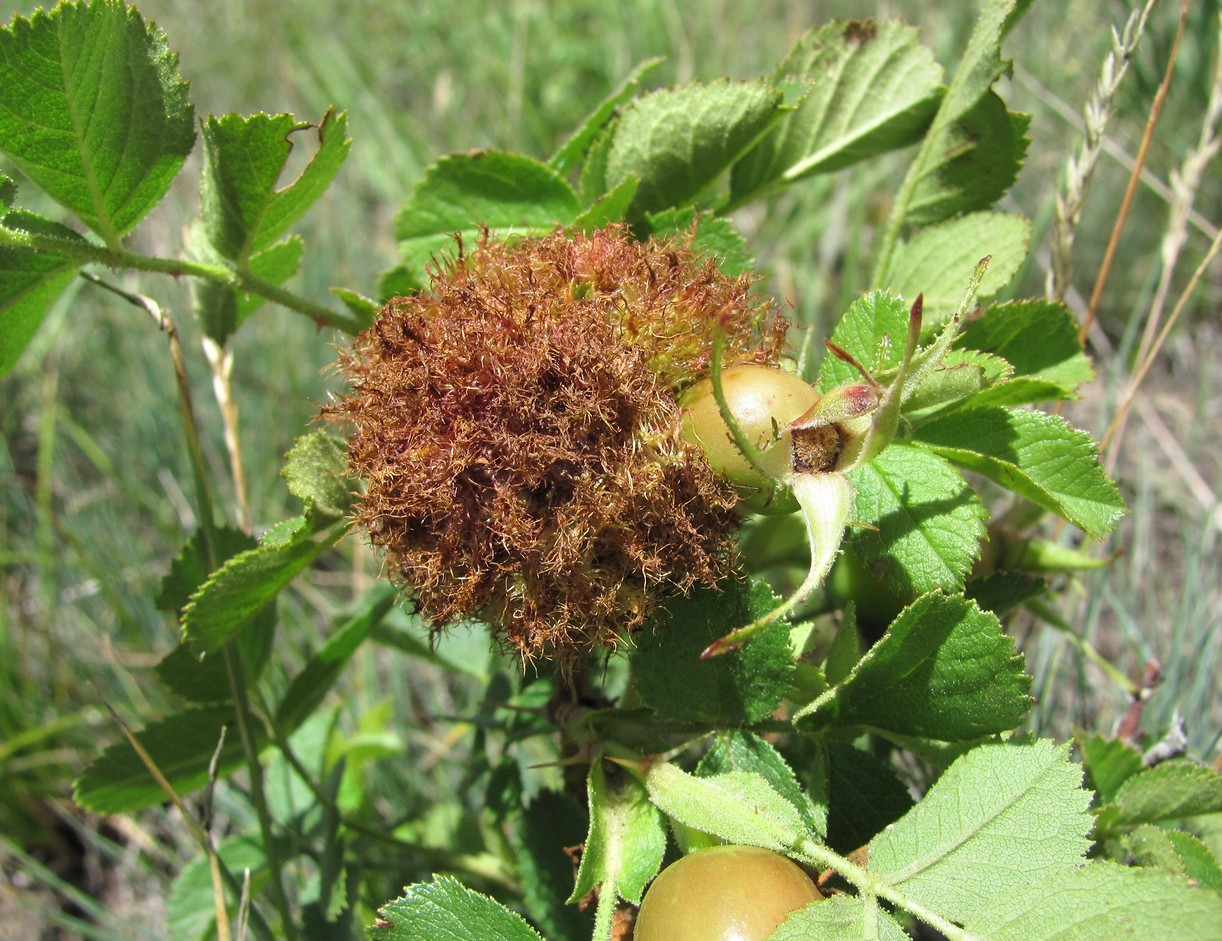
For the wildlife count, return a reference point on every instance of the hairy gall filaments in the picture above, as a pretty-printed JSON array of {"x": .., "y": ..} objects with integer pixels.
[{"x": 518, "y": 431}]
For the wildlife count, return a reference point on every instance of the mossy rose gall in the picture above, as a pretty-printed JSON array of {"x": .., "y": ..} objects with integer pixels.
[{"x": 518, "y": 429}]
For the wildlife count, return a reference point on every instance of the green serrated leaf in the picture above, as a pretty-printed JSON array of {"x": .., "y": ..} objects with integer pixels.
[
  {"x": 738, "y": 688},
  {"x": 863, "y": 88},
  {"x": 181, "y": 746},
  {"x": 627, "y": 837},
  {"x": 1003, "y": 592},
  {"x": 971, "y": 163},
  {"x": 1102, "y": 902},
  {"x": 578, "y": 145},
  {"x": 739, "y": 807},
  {"x": 745, "y": 752},
  {"x": 94, "y": 111},
  {"x": 1169, "y": 791},
  {"x": 1109, "y": 763},
  {"x": 1038, "y": 456},
  {"x": 208, "y": 681},
  {"x": 446, "y": 910},
  {"x": 679, "y": 141},
  {"x": 996, "y": 816},
  {"x": 316, "y": 470},
  {"x": 715, "y": 237},
  {"x": 982, "y": 63},
  {"x": 30, "y": 282},
  {"x": 243, "y": 210},
  {"x": 865, "y": 795},
  {"x": 922, "y": 522},
  {"x": 507, "y": 193},
  {"x": 944, "y": 670},
  {"x": 237, "y": 591},
  {"x": 939, "y": 261},
  {"x": 840, "y": 918},
  {"x": 193, "y": 564},
  {"x": 873, "y": 329},
  {"x": 1038, "y": 338}
]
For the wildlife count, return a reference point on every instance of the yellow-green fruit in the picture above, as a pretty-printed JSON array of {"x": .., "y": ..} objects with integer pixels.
[
  {"x": 763, "y": 401},
  {"x": 723, "y": 893}
]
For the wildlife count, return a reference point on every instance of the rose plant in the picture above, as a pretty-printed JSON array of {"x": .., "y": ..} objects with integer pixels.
[{"x": 570, "y": 417}]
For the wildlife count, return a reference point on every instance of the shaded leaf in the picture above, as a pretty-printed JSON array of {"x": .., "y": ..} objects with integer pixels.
[
  {"x": 1038, "y": 338},
  {"x": 181, "y": 746},
  {"x": 865, "y": 795},
  {"x": 738, "y": 688},
  {"x": 1168, "y": 791},
  {"x": 972, "y": 162},
  {"x": 920, "y": 523},
  {"x": 1109, "y": 763}
]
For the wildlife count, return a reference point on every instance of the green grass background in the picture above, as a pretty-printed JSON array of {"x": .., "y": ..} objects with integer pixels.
[{"x": 94, "y": 484}]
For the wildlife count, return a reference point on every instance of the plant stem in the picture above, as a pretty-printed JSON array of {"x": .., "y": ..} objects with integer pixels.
[
  {"x": 83, "y": 251},
  {"x": 237, "y": 683},
  {"x": 868, "y": 884}
]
